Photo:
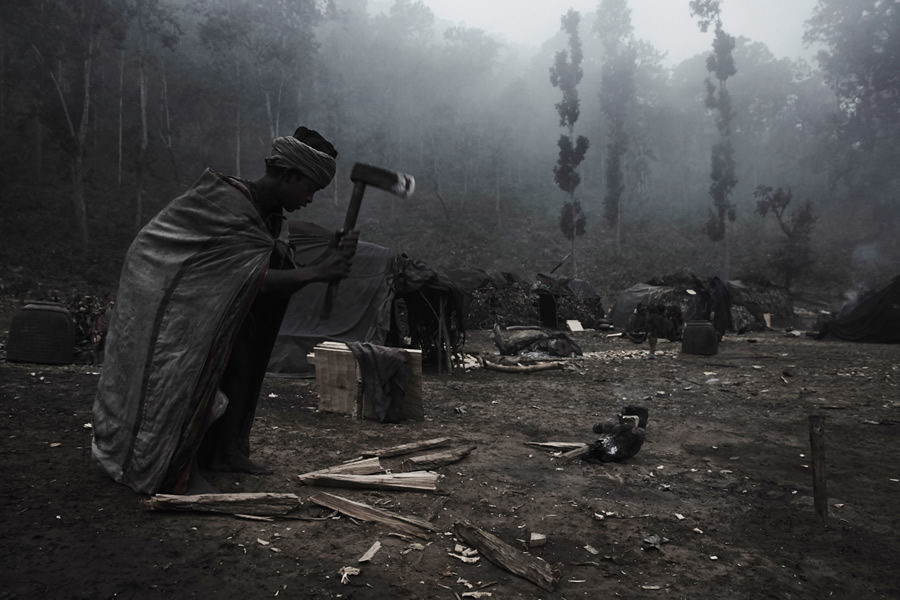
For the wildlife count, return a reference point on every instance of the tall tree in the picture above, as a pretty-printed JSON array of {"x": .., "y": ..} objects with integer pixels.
[
  {"x": 154, "y": 26},
  {"x": 66, "y": 57},
  {"x": 566, "y": 74},
  {"x": 859, "y": 59},
  {"x": 795, "y": 253},
  {"x": 617, "y": 92},
  {"x": 720, "y": 65}
]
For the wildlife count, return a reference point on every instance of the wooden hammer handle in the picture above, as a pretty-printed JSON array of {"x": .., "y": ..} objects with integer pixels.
[{"x": 356, "y": 197}]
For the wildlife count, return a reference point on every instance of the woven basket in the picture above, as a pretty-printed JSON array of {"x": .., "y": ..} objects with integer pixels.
[{"x": 43, "y": 333}]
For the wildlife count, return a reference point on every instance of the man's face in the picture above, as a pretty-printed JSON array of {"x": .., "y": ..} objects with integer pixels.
[{"x": 295, "y": 192}]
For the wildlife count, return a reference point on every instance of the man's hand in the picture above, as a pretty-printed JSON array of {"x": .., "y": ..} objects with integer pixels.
[
  {"x": 333, "y": 265},
  {"x": 336, "y": 262}
]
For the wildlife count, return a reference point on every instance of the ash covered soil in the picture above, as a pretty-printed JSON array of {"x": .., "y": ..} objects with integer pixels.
[{"x": 717, "y": 504}]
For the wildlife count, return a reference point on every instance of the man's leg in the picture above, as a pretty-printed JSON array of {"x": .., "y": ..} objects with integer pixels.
[{"x": 229, "y": 442}]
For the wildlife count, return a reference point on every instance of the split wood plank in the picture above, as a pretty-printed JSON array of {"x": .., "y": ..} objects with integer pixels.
[
  {"x": 505, "y": 556},
  {"x": 366, "y": 466},
  {"x": 256, "y": 503},
  {"x": 370, "y": 552},
  {"x": 436, "y": 459},
  {"x": 403, "y": 524},
  {"x": 420, "y": 481},
  {"x": 408, "y": 448},
  {"x": 565, "y": 446}
]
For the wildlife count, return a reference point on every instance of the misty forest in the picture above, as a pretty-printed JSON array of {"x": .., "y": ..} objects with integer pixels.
[{"x": 589, "y": 152}]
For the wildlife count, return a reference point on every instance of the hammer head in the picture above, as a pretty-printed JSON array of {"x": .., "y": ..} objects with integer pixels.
[{"x": 394, "y": 182}]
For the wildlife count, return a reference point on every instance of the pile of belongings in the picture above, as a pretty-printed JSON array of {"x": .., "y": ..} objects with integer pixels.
[
  {"x": 516, "y": 340},
  {"x": 620, "y": 439}
]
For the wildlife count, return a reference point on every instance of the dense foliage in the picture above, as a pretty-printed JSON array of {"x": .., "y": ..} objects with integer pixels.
[{"x": 110, "y": 108}]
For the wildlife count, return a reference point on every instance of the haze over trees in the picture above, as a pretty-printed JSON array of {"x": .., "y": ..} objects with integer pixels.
[{"x": 110, "y": 108}]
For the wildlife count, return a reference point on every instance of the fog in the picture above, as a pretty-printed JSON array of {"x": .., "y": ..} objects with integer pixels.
[
  {"x": 106, "y": 113},
  {"x": 666, "y": 24}
]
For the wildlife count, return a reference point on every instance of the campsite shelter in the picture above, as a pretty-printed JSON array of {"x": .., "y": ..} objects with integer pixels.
[
  {"x": 875, "y": 319},
  {"x": 638, "y": 294},
  {"x": 386, "y": 297}
]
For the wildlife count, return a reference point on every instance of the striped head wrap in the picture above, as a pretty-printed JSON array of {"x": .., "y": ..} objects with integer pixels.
[{"x": 290, "y": 153}]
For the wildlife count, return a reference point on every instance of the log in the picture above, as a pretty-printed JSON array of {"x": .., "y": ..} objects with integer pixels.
[
  {"x": 565, "y": 446},
  {"x": 505, "y": 556},
  {"x": 545, "y": 366},
  {"x": 401, "y": 523},
  {"x": 256, "y": 504},
  {"x": 367, "y": 466},
  {"x": 408, "y": 448},
  {"x": 435, "y": 459},
  {"x": 435, "y": 509},
  {"x": 421, "y": 481}
]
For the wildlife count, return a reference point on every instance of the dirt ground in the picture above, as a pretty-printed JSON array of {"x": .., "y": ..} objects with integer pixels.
[{"x": 723, "y": 480}]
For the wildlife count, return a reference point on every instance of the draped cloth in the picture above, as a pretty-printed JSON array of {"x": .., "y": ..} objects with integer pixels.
[
  {"x": 188, "y": 281},
  {"x": 290, "y": 153}
]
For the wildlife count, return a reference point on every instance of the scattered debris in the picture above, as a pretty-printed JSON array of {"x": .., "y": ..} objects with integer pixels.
[
  {"x": 370, "y": 552},
  {"x": 536, "y": 540},
  {"x": 346, "y": 572}
]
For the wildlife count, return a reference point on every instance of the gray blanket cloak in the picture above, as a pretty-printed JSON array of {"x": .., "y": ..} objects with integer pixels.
[{"x": 188, "y": 280}]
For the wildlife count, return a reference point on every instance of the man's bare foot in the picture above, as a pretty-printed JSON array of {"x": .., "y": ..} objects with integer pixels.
[{"x": 238, "y": 463}]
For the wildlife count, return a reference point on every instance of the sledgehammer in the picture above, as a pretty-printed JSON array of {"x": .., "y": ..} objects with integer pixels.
[{"x": 364, "y": 175}]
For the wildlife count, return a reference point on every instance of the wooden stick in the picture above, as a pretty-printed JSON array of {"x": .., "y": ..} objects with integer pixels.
[
  {"x": 817, "y": 451},
  {"x": 256, "y": 504},
  {"x": 556, "y": 445},
  {"x": 571, "y": 455},
  {"x": 367, "y": 466},
  {"x": 422, "y": 481},
  {"x": 435, "y": 459},
  {"x": 503, "y": 555},
  {"x": 547, "y": 366},
  {"x": 364, "y": 512},
  {"x": 408, "y": 448}
]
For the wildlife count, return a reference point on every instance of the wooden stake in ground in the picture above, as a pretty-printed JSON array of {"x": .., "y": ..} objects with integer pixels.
[
  {"x": 357, "y": 510},
  {"x": 257, "y": 504},
  {"x": 817, "y": 452},
  {"x": 505, "y": 556}
]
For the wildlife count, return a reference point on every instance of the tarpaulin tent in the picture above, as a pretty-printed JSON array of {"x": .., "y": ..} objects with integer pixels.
[
  {"x": 365, "y": 303},
  {"x": 875, "y": 319},
  {"x": 628, "y": 300}
]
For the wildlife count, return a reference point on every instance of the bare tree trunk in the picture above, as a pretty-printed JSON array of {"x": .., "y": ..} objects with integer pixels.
[
  {"x": 121, "y": 111},
  {"x": 2, "y": 85},
  {"x": 38, "y": 145},
  {"x": 237, "y": 122},
  {"x": 497, "y": 193},
  {"x": 142, "y": 148},
  {"x": 166, "y": 129},
  {"x": 726, "y": 252}
]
